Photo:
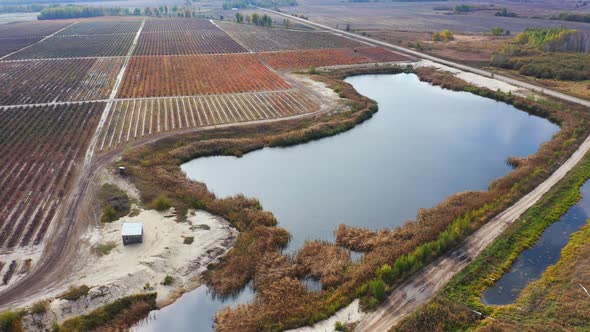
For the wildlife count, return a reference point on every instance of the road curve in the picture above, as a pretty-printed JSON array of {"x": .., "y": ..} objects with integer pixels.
[{"x": 413, "y": 293}]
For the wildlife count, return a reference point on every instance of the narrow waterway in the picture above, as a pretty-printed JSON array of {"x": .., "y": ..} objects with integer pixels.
[
  {"x": 531, "y": 263},
  {"x": 424, "y": 144}
]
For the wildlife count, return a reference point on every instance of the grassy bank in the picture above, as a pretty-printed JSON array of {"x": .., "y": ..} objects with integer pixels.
[
  {"x": 451, "y": 307},
  {"x": 282, "y": 301},
  {"x": 116, "y": 316}
]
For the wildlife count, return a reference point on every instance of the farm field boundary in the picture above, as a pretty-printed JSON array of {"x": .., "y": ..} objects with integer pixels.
[{"x": 44, "y": 38}]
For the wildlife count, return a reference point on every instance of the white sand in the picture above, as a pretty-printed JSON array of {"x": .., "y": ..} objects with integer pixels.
[
  {"x": 128, "y": 269},
  {"x": 349, "y": 314}
]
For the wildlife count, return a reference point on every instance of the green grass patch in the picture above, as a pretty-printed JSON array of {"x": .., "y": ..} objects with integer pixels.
[{"x": 115, "y": 202}]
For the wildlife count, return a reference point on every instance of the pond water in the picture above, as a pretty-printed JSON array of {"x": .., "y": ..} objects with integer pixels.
[
  {"x": 531, "y": 263},
  {"x": 424, "y": 144}
]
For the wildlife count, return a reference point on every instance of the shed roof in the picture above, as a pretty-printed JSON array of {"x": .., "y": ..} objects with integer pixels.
[{"x": 132, "y": 228}]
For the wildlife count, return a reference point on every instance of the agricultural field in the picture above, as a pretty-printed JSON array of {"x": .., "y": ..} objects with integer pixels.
[
  {"x": 133, "y": 119},
  {"x": 46, "y": 81},
  {"x": 197, "y": 74},
  {"x": 32, "y": 29},
  {"x": 11, "y": 44},
  {"x": 177, "y": 42},
  {"x": 167, "y": 25},
  {"x": 39, "y": 150},
  {"x": 101, "y": 28},
  {"x": 78, "y": 46},
  {"x": 328, "y": 57},
  {"x": 264, "y": 39}
]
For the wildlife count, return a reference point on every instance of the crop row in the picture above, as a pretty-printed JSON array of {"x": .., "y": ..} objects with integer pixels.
[
  {"x": 329, "y": 57},
  {"x": 265, "y": 39},
  {"x": 39, "y": 150},
  {"x": 129, "y": 120},
  {"x": 187, "y": 42},
  {"x": 31, "y": 29},
  {"x": 197, "y": 74},
  {"x": 11, "y": 44},
  {"x": 101, "y": 27},
  {"x": 78, "y": 46},
  {"x": 45, "y": 81},
  {"x": 177, "y": 24}
]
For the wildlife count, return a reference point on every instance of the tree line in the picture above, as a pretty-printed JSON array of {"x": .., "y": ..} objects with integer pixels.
[
  {"x": 256, "y": 19},
  {"x": 74, "y": 11},
  {"x": 230, "y": 4}
]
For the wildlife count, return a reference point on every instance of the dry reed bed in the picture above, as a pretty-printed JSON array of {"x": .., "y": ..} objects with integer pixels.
[{"x": 282, "y": 300}]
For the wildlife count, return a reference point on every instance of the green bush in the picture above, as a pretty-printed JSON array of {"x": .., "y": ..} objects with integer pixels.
[
  {"x": 385, "y": 273},
  {"x": 168, "y": 280},
  {"x": 377, "y": 288},
  {"x": 115, "y": 202},
  {"x": 162, "y": 203}
]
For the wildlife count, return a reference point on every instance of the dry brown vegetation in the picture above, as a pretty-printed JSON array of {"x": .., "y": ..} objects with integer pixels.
[{"x": 282, "y": 301}]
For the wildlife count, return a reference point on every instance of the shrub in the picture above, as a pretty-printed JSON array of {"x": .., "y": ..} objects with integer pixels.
[
  {"x": 496, "y": 31},
  {"x": 39, "y": 307},
  {"x": 74, "y": 293},
  {"x": 109, "y": 313},
  {"x": 115, "y": 202},
  {"x": 11, "y": 321},
  {"x": 338, "y": 326},
  {"x": 162, "y": 203},
  {"x": 168, "y": 280},
  {"x": 105, "y": 249},
  {"x": 444, "y": 35},
  {"x": 188, "y": 239},
  {"x": 385, "y": 273},
  {"x": 377, "y": 289}
]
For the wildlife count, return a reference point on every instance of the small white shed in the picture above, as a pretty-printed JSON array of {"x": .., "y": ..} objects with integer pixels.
[{"x": 132, "y": 232}]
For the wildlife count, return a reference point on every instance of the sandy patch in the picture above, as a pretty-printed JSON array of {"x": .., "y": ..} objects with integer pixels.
[
  {"x": 349, "y": 314},
  {"x": 475, "y": 79},
  {"x": 142, "y": 267}
]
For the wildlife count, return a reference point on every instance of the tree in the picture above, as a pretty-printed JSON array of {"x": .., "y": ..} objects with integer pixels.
[
  {"x": 286, "y": 23},
  {"x": 239, "y": 18},
  {"x": 255, "y": 19}
]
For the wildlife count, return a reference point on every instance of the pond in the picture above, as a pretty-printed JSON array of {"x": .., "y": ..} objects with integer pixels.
[
  {"x": 424, "y": 144},
  {"x": 531, "y": 263}
]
